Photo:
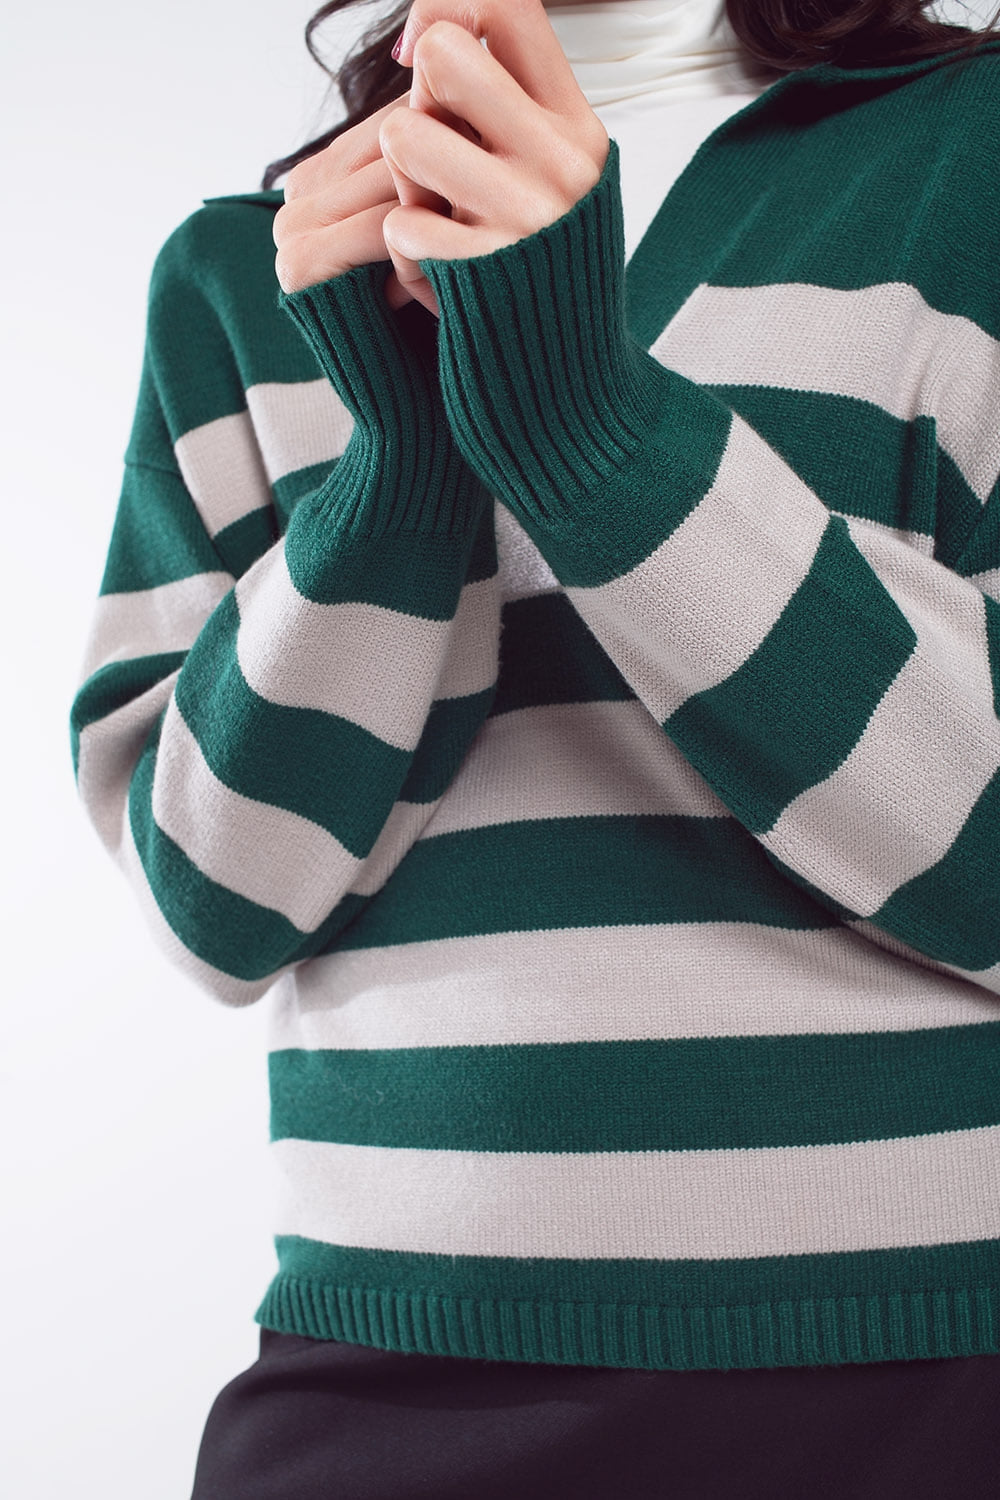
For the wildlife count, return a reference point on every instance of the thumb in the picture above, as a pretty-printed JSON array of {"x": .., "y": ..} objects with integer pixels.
[{"x": 416, "y": 234}]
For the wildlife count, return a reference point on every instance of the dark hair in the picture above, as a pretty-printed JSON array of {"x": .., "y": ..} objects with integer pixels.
[{"x": 779, "y": 34}]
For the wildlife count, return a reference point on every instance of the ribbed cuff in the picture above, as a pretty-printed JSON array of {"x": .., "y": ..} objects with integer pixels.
[
  {"x": 401, "y": 469},
  {"x": 547, "y": 394}
]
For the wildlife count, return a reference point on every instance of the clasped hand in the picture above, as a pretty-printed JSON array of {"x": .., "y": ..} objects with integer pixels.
[{"x": 487, "y": 148}]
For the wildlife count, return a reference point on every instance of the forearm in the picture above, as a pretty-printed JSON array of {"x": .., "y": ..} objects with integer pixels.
[
  {"x": 832, "y": 684},
  {"x": 265, "y": 775}
]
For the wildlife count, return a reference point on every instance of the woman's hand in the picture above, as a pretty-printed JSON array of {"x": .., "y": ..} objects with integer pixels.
[
  {"x": 335, "y": 204},
  {"x": 522, "y": 145}
]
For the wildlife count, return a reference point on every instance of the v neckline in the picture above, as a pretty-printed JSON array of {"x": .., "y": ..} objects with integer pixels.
[{"x": 651, "y": 300}]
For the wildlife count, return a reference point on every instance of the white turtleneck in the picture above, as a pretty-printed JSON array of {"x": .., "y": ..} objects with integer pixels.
[{"x": 661, "y": 75}]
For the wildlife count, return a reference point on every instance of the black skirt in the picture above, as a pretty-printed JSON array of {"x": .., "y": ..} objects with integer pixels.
[{"x": 320, "y": 1420}]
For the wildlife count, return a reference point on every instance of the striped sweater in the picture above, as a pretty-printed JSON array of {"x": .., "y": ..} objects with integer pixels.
[{"x": 583, "y": 712}]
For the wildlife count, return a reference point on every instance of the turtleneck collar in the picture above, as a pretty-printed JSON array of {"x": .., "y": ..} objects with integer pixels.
[{"x": 684, "y": 49}]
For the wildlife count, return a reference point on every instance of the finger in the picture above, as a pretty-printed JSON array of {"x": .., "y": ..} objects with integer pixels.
[
  {"x": 339, "y": 199},
  {"x": 413, "y": 234},
  {"x": 395, "y": 294},
  {"x": 346, "y": 154},
  {"x": 519, "y": 36},
  {"x": 452, "y": 73},
  {"x": 468, "y": 178},
  {"x": 409, "y": 276},
  {"x": 307, "y": 259},
  {"x": 408, "y": 191}
]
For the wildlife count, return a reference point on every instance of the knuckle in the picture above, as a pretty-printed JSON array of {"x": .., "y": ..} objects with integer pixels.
[
  {"x": 388, "y": 128},
  {"x": 289, "y": 221},
  {"x": 284, "y": 269},
  {"x": 578, "y": 169},
  {"x": 440, "y": 40},
  {"x": 295, "y": 182},
  {"x": 392, "y": 131}
]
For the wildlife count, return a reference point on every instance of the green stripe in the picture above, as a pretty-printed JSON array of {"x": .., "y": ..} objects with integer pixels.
[
  {"x": 548, "y": 655},
  {"x": 880, "y": 468},
  {"x": 839, "y": 191},
  {"x": 581, "y": 872},
  {"x": 451, "y": 726},
  {"x": 672, "y": 1283},
  {"x": 214, "y": 316},
  {"x": 949, "y": 913},
  {"x": 483, "y": 559},
  {"x": 325, "y": 768},
  {"x": 981, "y": 552},
  {"x": 111, "y": 687},
  {"x": 855, "y": 1308},
  {"x": 823, "y": 898},
  {"x": 413, "y": 573},
  {"x": 241, "y": 543},
  {"x": 224, "y": 929},
  {"x": 158, "y": 535},
  {"x": 291, "y": 488},
  {"x": 691, "y": 1094},
  {"x": 792, "y": 713},
  {"x": 619, "y": 523},
  {"x": 959, "y": 516},
  {"x": 993, "y": 640}
]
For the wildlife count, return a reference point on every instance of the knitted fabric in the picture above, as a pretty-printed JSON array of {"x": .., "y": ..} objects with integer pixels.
[{"x": 582, "y": 714}]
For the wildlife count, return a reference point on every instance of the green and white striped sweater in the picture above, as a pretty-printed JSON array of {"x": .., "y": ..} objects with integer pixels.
[{"x": 584, "y": 712}]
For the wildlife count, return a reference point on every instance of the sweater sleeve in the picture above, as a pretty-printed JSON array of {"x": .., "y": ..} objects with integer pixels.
[
  {"x": 259, "y": 746},
  {"x": 836, "y": 687}
]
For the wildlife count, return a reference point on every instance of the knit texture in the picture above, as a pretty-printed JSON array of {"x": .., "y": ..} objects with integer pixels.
[{"x": 583, "y": 716}]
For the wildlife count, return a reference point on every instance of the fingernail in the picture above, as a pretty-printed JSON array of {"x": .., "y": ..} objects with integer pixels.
[{"x": 397, "y": 49}]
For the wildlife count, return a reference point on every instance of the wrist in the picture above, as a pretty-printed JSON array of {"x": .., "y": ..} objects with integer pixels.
[
  {"x": 383, "y": 364},
  {"x": 401, "y": 470},
  {"x": 547, "y": 394}
]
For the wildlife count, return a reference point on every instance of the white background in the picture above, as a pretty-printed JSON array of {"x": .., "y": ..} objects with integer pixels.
[{"x": 136, "y": 1241}]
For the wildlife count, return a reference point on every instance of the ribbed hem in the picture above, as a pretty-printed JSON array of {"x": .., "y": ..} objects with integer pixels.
[
  {"x": 401, "y": 470},
  {"x": 930, "y": 1324},
  {"x": 547, "y": 394}
]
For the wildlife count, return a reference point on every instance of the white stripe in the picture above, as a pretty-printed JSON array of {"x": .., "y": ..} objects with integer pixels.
[
  {"x": 883, "y": 344},
  {"x": 567, "y": 760},
  {"x": 691, "y": 613},
  {"x": 796, "y": 1200},
  {"x": 986, "y": 979},
  {"x": 471, "y": 662},
  {"x": 298, "y": 424},
  {"x": 376, "y": 667},
  {"x": 988, "y": 583},
  {"x": 147, "y": 622},
  {"x": 606, "y": 984},
  {"x": 402, "y": 828},
  {"x": 521, "y": 568},
  {"x": 223, "y": 468},
  {"x": 109, "y": 750},
  {"x": 946, "y": 612},
  {"x": 895, "y": 805},
  {"x": 919, "y": 541},
  {"x": 264, "y": 853},
  {"x": 219, "y": 985}
]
